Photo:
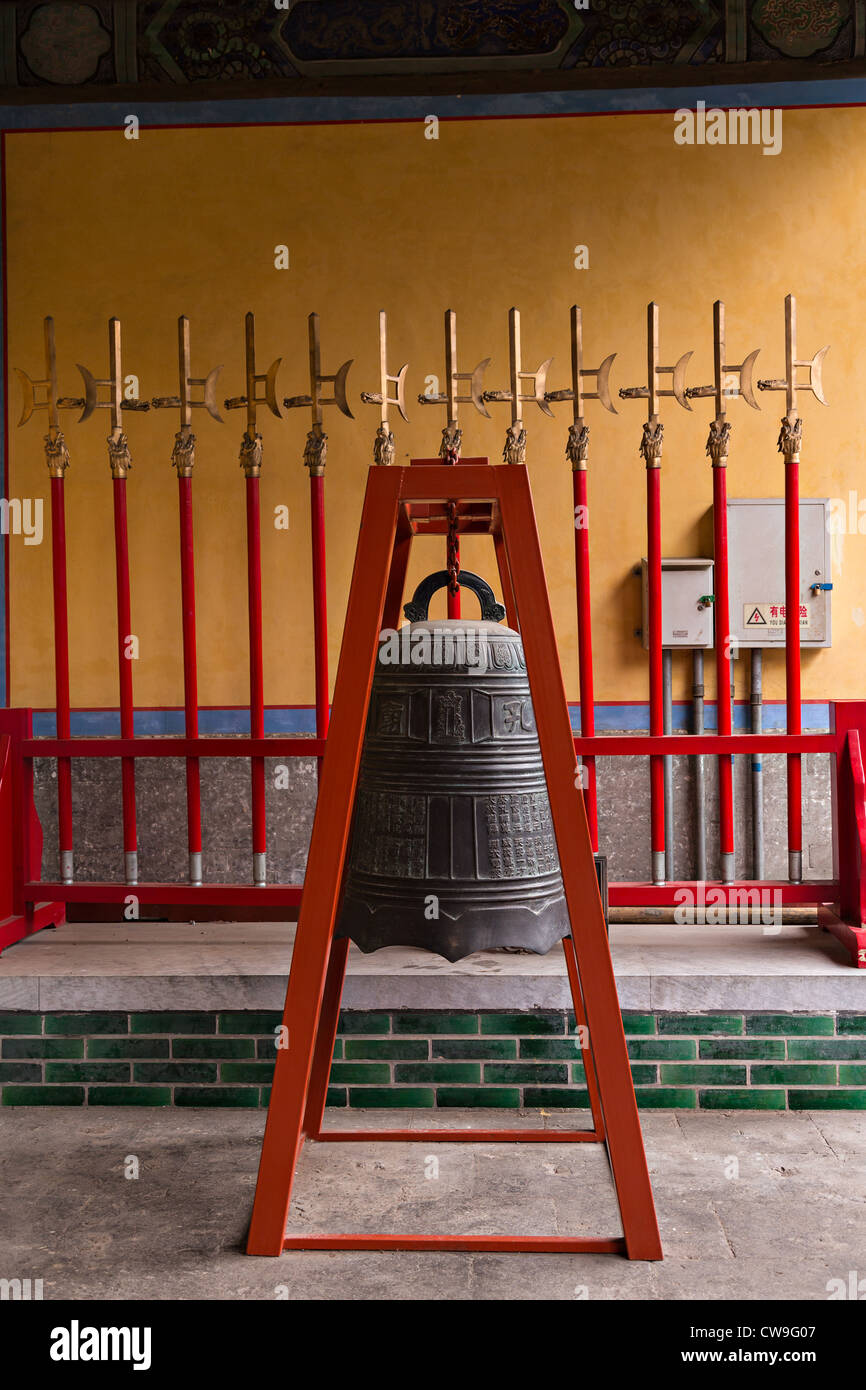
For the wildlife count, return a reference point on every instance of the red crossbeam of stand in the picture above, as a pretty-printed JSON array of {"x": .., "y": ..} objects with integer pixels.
[{"x": 396, "y": 500}]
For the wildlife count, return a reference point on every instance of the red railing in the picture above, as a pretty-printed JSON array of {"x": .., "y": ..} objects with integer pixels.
[{"x": 27, "y": 902}]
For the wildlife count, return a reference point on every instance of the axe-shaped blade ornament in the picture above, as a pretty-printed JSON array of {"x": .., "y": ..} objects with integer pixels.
[{"x": 814, "y": 365}]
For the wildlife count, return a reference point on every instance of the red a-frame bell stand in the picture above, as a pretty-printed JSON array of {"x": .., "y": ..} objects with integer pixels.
[{"x": 401, "y": 503}]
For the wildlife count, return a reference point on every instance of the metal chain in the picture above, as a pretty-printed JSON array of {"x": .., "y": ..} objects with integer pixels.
[{"x": 453, "y": 551}]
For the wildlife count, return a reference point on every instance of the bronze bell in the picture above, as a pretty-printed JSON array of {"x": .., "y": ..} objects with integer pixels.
[{"x": 452, "y": 846}]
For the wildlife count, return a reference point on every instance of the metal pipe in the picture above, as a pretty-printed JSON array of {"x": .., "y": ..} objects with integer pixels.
[
  {"x": 757, "y": 725},
  {"x": 650, "y": 916},
  {"x": 667, "y": 682},
  {"x": 700, "y": 780},
  {"x": 584, "y": 639},
  {"x": 656, "y": 679}
]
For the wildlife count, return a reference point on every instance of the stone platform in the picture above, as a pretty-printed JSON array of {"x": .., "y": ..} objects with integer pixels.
[
  {"x": 184, "y": 1014},
  {"x": 141, "y": 966}
]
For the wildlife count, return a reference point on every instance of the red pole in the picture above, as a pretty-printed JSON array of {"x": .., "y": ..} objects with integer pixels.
[
  {"x": 257, "y": 704},
  {"x": 320, "y": 604},
  {"x": 723, "y": 667},
  {"x": 190, "y": 674},
  {"x": 124, "y": 660},
  {"x": 584, "y": 642},
  {"x": 61, "y": 671},
  {"x": 454, "y": 599},
  {"x": 789, "y": 443},
  {"x": 656, "y": 679}
]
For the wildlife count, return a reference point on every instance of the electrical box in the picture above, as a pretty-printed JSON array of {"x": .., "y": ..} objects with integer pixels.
[
  {"x": 687, "y": 605},
  {"x": 756, "y": 564}
]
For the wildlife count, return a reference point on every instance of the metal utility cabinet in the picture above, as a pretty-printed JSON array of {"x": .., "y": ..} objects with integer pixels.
[
  {"x": 756, "y": 556},
  {"x": 687, "y": 604}
]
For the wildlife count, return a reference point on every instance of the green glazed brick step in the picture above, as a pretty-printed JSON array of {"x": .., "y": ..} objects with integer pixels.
[
  {"x": 14, "y": 1048},
  {"x": 85, "y": 1025},
  {"x": 497, "y": 1097},
  {"x": 87, "y": 1071},
  {"x": 251, "y": 1073},
  {"x": 171, "y": 1073},
  {"x": 551, "y": 1098},
  {"x": 249, "y": 1023},
  {"x": 793, "y": 1074},
  {"x": 128, "y": 1095},
  {"x": 391, "y": 1097},
  {"x": 837, "y": 1099},
  {"x": 138, "y": 1049},
  {"x": 221, "y": 1048},
  {"x": 174, "y": 1023},
  {"x": 663, "y": 1049},
  {"x": 435, "y": 1023},
  {"x": 20, "y": 1071},
  {"x": 475, "y": 1049},
  {"x": 632, "y": 1023},
  {"x": 423, "y": 1059},
  {"x": 396, "y": 1049},
  {"x": 437, "y": 1071},
  {"x": 537, "y": 1021},
  {"x": 732, "y": 1049},
  {"x": 43, "y": 1095},
  {"x": 525, "y": 1073},
  {"x": 19, "y": 1023},
  {"x": 701, "y": 1074},
  {"x": 364, "y": 1023},
  {"x": 666, "y": 1097},
  {"x": 374, "y": 1073},
  {"x": 550, "y": 1049},
  {"x": 842, "y": 1049},
  {"x": 229, "y": 1097},
  {"x": 745, "y": 1098},
  {"x": 705, "y": 1024},
  {"x": 642, "y": 1073},
  {"x": 788, "y": 1024}
]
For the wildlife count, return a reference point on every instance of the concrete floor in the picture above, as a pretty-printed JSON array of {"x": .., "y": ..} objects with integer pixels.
[{"x": 762, "y": 1206}]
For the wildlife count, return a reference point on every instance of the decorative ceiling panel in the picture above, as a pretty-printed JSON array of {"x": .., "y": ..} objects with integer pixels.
[{"x": 182, "y": 43}]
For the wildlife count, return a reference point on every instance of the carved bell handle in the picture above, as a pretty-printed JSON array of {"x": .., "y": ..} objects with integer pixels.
[{"x": 416, "y": 611}]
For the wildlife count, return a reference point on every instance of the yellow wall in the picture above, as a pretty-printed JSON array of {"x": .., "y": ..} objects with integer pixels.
[{"x": 375, "y": 215}]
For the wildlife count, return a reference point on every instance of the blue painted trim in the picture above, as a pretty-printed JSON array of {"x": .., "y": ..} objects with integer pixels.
[
  {"x": 609, "y": 718},
  {"x": 105, "y": 723},
  {"x": 613, "y": 718},
  {"x": 844, "y": 91}
]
